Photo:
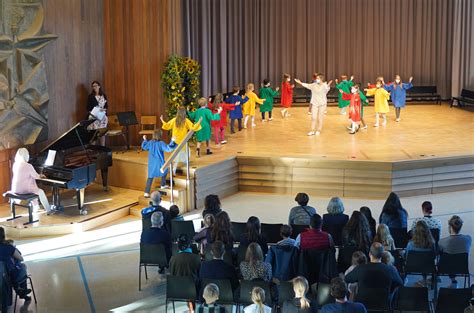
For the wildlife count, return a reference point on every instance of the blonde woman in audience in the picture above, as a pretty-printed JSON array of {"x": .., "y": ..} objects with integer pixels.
[
  {"x": 211, "y": 295},
  {"x": 384, "y": 237},
  {"x": 358, "y": 258},
  {"x": 300, "y": 304},
  {"x": 258, "y": 299}
]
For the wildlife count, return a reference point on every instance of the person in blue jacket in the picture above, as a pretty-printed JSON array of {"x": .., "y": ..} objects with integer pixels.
[
  {"x": 156, "y": 158},
  {"x": 236, "y": 114},
  {"x": 398, "y": 92}
]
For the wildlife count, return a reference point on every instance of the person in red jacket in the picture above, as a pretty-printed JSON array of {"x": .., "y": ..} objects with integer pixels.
[
  {"x": 286, "y": 95},
  {"x": 220, "y": 125},
  {"x": 314, "y": 237}
]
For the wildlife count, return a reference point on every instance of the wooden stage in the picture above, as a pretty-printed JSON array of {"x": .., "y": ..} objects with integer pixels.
[{"x": 430, "y": 151}]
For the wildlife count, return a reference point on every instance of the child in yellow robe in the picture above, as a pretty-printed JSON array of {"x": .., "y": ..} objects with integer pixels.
[
  {"x": 381, "y": 97},
  {"x": 249, "y": 106}
]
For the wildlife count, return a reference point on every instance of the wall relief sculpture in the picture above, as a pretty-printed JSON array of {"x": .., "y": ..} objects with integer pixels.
[{"x": 23, "y": 86}]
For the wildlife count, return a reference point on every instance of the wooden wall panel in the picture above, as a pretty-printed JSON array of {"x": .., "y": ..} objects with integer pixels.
[
  {"x": 138, "y": 41},
  {"x": 73, "y": 60}
]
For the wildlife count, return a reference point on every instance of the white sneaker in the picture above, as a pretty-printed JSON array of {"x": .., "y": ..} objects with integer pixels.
[
  {"x": 254, "y": 125},
  {"x": 282, "y": 113},
  {"x": 270, "y": 119},
  {"x": 309, "y": 113},
  {"x": 384, "y": 123},
  {"x": 288, "y": 114},
  {"x": 311, "y": 133},
  {"x": 264, "y": 121},
  {"x": 146, "y": 195},
  {"x": 397, "y": 120},
  {"x": 325, "y": 112},
  {"x": 318, "y": 133},
  {"x": 376, "y": 125},
  {"x": 223, "y": 142},
  {"x": 245, "y": 126},
  {"x": 349, "y": 128},
  {"x": 364, "y": 127}
]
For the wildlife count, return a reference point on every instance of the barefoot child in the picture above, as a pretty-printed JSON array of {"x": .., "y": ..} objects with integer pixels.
[
  {"x": 236, "y": 113},
  {"x": 268, "y": 94},
  {"x": 381, "y": 97},
  {"x": 180, "y": 126},
  {"x": 319, "y": 90},
  {"x": 205, "y": 116},
  {"x": 286, "y": 95},
  {"x": 249, "y": 106},
  {"x": 156, "y": 158},
  {"x": 345, "y": 85},
  {"x": 398, "y": 92},
  {"x": 220, "y": 125}
]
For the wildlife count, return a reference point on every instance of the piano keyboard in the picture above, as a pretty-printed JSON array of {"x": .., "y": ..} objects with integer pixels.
[{"x": 59, "y": 183}]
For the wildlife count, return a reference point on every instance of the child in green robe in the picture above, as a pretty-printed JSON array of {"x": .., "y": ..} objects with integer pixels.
[{"x": 268, "y": 94}]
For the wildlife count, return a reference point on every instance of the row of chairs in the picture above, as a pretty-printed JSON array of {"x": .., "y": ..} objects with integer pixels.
[{"x": 179, "y": 288}]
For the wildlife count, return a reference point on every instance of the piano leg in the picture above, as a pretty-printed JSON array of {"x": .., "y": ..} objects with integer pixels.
[
  {"x": 57, "y": 199},
  {"x": 80, "y": 201},
  {"x": 105, "y": 173}
]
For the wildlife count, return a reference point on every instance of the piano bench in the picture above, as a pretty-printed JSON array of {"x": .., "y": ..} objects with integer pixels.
[{"x": 28, "y": 197}]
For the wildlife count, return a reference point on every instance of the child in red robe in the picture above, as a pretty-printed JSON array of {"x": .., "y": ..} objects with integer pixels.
[
  {"x": 286, "y": 95},
  {"x": 356, "y": 99},
  {"x": 220, "y": 125}
]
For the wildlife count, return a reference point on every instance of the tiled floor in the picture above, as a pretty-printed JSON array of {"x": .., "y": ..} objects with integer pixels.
[{"x": 97, "y": 271}]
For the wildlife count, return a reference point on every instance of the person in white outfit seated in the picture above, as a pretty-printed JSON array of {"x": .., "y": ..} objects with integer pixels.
[{"x": 24, "y": 179}]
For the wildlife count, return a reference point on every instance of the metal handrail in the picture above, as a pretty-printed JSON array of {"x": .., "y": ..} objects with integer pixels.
[{"x": 169, "y": 162}]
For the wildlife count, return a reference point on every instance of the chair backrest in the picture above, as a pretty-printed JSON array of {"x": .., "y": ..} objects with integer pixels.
[
  {"x": 423, "y": 89},
  {"x": 344, "y": 259},
  {"x": 226, "y": 295},
  {"x": 297, "y": 229},
  {"x": 241, "y": 250},
  {"x": 5, "y": 288},
  {"x": 286, "y": 292},
  {"x": 113, "y": 123},
  {"x": 466, "y": 93},
  {"x": 400, "y": 237},
  {"x": 238, "y": 228},
  {"x": 453, "y": 300},
  {"x": 182, "y": 227},
  {"x": 374, "y": 299},
  {"x": 271, "y": 232},
  {"x": 435, "y": 234},
  {"x": 420, "y": 262},
  {"x": 180, "y": 288},
  {"x": 453, "y": 264},
  {"x": 322, "y": 294},
  {"x": 153, "y": 254},
  {"x": 412, "y": 299},
  {"x": 148, "y": 122},
  {"x": 246, "y": 287}
]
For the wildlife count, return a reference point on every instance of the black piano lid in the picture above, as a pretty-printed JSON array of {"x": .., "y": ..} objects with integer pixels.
[{"x": 77, "y": 136}]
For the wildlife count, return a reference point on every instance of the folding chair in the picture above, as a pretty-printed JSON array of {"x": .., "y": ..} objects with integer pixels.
[{"x": 151, "y": 255}]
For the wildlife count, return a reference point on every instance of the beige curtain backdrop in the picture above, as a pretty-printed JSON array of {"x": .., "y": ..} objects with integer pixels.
[
  {"x": 242, "y": 41},
  {"x": 463, "y": 46}
]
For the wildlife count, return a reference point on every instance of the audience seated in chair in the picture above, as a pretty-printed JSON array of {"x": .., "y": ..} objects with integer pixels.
[
  {"x": 432, "y": 222},
  {"x": 185, "y": 263},
  {"x": 212, "y": 205},
  {"x": 393, "y": 214},
  {"x": 357, "y": 233},
  {"x": 342, "y": 305},
  {"x": 201, "y": 236},
  {"x": 358, "y": 258},
  {"x": 455, "y": 243},
  {"x": 254, "y": 267},
  {"x": 253, "y": 233},
  {"x": 217, "y": 268},
  {"x": 211, "y": 295},
  {"x": 335, "y": 218},
  {"x": 301, "y": 214},
  {"x": 383, "y": 236},
  {"x": 155, "y": 206},
  {"x": 283, "y": 257},
  {"x": 13, "y": 259},
  {"x": 375, "y": 273},
  {"x": 156, "y": 235},
  {"x": 174, "y": 213},
  {"x": 314, "y": 237},
  {"x": 258, "y": 299},
  {"x": 221, "y": 230},
  {"x": 368, "y": 215},
  {"x": 422, "y": 239},
  {"x": 300, "y": 304}
]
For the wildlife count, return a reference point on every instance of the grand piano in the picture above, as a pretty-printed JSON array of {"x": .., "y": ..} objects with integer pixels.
[{"x": 75, "y": 163}]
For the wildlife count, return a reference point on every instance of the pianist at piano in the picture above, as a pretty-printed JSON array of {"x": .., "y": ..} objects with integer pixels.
[{"x": 24, "y": 179}]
